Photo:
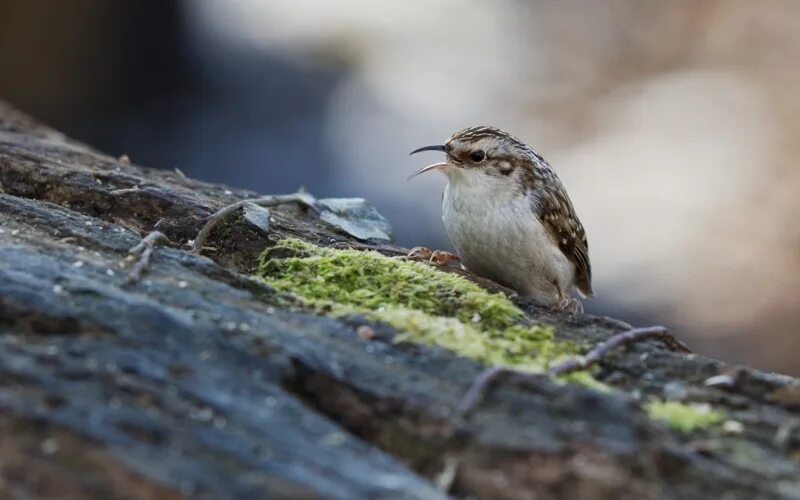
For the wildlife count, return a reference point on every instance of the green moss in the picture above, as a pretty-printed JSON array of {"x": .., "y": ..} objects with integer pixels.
[
  {"x": 522, "y": 347},
  {"x": 429, "y": 306},
  {"x": 369, "y": 280},
  {"x": 685, "y": 417},
  {"x": 437, "y": 308}
]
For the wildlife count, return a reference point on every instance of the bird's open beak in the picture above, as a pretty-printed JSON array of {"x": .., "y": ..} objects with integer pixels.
[{"x": 435, "y": 166}]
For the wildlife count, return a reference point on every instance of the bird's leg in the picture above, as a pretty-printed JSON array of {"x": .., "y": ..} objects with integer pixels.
[
  {"x": 438, "y": 257},
  {"x": 568, "y": 305}
]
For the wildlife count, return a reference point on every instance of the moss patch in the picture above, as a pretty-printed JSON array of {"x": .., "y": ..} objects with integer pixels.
[
  {"x": 429, "y": 306},
  {"x": 370, "y": 281},
  {"x": 685, "y": 417}
]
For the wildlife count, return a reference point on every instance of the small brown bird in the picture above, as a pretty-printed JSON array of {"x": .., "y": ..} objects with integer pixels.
[{"x": 510, "y": 218}]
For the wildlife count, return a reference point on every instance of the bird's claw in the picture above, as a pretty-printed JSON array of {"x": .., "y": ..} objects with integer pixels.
[
  {"x": 420, "y": 253},
  {"x": 442, "y": 258},
  {"x": 437, "y": 257},
  {"x": 569, "y": 305}
]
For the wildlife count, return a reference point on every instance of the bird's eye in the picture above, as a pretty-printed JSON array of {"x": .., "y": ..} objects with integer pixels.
[{"x": 478, "y": 155}]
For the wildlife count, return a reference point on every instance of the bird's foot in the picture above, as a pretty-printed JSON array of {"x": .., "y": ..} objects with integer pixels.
[
  {"x": 442, "y": 258},
  {"x": 420, "y": 253},
  {"x": 569, "y": 305},
  {"x": 438, "y": 257}
]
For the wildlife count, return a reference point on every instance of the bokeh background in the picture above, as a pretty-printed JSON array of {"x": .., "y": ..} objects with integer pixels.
[{"x": 674, "y": 124}]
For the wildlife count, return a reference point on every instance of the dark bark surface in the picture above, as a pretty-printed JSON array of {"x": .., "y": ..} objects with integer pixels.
[{"x": 195, "y": 382}]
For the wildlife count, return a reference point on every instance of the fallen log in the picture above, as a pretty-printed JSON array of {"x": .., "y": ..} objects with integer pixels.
[{"x": 199, "y": 380}]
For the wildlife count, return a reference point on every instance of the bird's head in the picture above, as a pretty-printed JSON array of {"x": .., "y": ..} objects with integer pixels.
[{"x": 480, "y": 150}]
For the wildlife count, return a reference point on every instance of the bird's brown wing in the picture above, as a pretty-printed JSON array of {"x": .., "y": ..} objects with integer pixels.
[{"x": 554, "y": 208}]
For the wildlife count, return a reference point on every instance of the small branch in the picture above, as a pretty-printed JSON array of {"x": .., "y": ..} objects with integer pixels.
[
  {"x": 117, "y": 192},
  {"x": 602, "y": 350},
  {"x": 444, "y": 479},
  {"x": 784, "y": 433},
  {"x": 478, "y": 388},
  {"x": 302, "y": 198},
  {"x": 482, "y": 382},
  {"x": 144, "y": 250}
]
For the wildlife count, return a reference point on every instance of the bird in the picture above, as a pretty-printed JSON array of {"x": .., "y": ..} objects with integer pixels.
[{"x": 510, "y": 219}]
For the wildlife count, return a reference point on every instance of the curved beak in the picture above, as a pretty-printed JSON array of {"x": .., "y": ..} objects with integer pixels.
[
  {"x": 435, "y": 166},
  {"x": 439, "y": 147}
]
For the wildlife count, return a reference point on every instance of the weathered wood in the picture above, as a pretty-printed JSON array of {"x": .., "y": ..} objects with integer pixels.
[{"x": 195, "y": 382}]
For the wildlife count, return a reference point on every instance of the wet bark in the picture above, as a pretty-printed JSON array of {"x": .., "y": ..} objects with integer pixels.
[{"x": 194, "y": 382}]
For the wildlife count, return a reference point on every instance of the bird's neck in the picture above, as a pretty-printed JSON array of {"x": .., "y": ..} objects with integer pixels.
[{"x": 474, "y": 185}]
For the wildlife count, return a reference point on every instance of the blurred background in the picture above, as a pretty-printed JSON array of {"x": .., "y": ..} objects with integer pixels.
[{"x": 674, "y": 125}]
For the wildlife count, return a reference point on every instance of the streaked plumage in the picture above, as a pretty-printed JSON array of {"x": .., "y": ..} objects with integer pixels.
[{"x": 510, "y": 218}]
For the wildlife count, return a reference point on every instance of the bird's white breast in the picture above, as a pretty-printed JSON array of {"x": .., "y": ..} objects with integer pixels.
[{"x": 497, "y": 235}]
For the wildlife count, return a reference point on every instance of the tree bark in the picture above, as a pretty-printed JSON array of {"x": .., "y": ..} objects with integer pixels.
[{"x": 194, "y": 381}]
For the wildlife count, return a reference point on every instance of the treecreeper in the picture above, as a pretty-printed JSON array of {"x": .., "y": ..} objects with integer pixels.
[{"x": 510, "y": 219}]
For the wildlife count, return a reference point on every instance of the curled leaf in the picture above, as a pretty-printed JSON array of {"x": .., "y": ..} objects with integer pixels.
[
  {"x": 257, "y": 215},
  {"x": 356, "y": 217}
]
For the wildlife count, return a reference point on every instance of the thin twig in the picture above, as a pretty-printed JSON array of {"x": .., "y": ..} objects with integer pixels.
[
  {"x": 302, "y": 198},
  {"x": 478, "y": 388},
  {"x": 618, "y": 340},
  {"x": 117, "y": 192},
  {"x": 444, "y": 479},
  {"x": 482, "y": 382},
  {"x": 144, "y": 250},
  {"x": 784, "y": 433}
]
